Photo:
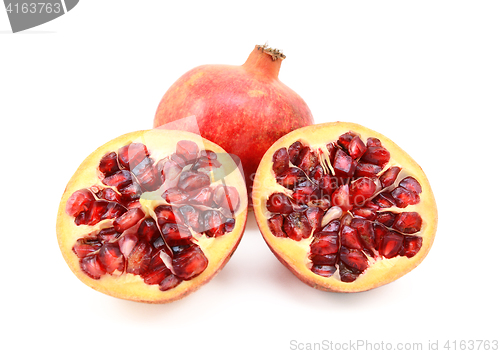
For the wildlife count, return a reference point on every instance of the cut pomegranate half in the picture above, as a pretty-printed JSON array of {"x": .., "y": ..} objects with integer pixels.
[
  {"x": 152, "y": 215},
  {"x": 373, "y": 214}
]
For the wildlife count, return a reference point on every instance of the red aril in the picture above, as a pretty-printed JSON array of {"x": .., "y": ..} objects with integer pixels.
[
  {"x": 378, "y": 218},
  {"x": 131, "y": 227},
  {"x": 244, "y": 109}
]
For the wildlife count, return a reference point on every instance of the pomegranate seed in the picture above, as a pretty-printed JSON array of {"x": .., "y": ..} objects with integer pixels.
[
  {"x": 189, "y": 262},
  {"x": 345, "y": 139},
  {"x": 99, "y": 210},
  {"x": 147, "y": 175},
  {"x": 412, "y": 245},
  {"x": 79, "y": 202},
  {"x": 164, "y": 214},
  {"x": 367, "y": 170},
  {"x": 175, "y": 195},
  {"x": 331, "y": 214},
  {"x": 323, "y": 259},
  {"x": 356, "y": 147},
  {"x": 275, "y": 224},
  {"x": 291, "y": 177},
  {"x": 109, "y": 194},
  {"x": 192, "y": 180},
  {"x": 129, "y": 219},
  {"x": 325, "y": 243},
  {"x": 349, "y": 238},
  {"x": 281, "y": 160},
  {"x": 307, "y": 160},
  {"x": 328, "y": 184},
  {"x": 127, "y": 244},
  {"x": 316, "y": 174},
  {"x": 279, "y": 203},
  {"x": 403, "y": 197},
  {"x": 379, "y": 232},
  {"x": 170, "y": 282},
  {"x": 187, "y": 149},
  {"x": 408, "y": 222},
  {"x": 208, "y": 153},
  {"x": 204, "y": 163},
  {"x": 191, "y": 217},
  {"x": 109, "y": 164},
  {"x": 341, "y": 198},
  {"x": 157, "y": 275},
  {"x": 386, "y": 218},
  {"x": 296, "y": 226},
  {"x": 108, "y": 234},
  {"x": 139, "y": 258},
  {"x": 294, "y": 150},
  {"x": 305, "y": 192},
  {"x": 373, "y": 142},
  {"x": 213, "y": 223},
  {"x": 343, "y": 164},
  {"x": 111, "y": 257},
  {"x": 156, "y": 258},
  {"x": 376, "y": 155},
  {"x": 170, "y": 170},
  {"x": 148, "y": 230},
  {"x": 362, "y": 189},
  {"x": 118, "y": 179},
  {"x": 227, "y": 197},
  {"x": 354, "y": 258},
  {"x": 389, "y": 176},
  {"x": 86, "y": 245},
  {"x": 323, "y": 270},
  {"x": 91, "y": 266},
  {"x": 131, "y": 191},
  {"x": 175, "y": 234},
  {"x": 365, "y": 232},
  {"x": 179, "y": 160},
  {"x": 229, "y": 225},
  {"x": 391, "y": 245},
  {"x": 411, "y": 184},
  {"x": 347, "y": 275},
  {"x": 384, "y": 200},
  {"x": 332, "y": 226},
  {"x": 132, "y": 154},
  {"x": 203, "y": 197},
  {"x": 314, "y": 215},
  {"x": 365, "y": 213}
]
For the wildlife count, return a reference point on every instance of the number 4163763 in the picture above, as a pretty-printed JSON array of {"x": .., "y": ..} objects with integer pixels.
[{"x": 34, "y": 7}]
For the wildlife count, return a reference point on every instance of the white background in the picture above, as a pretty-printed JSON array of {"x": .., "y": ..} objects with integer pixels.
[{"x": 424, "y": 73}]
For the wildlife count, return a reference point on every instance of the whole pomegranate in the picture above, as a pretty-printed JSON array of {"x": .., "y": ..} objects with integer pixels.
[{"x": 244, "y": 109}]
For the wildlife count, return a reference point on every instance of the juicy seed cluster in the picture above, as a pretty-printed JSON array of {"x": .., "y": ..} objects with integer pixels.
[
  {"x": 346, "y": 199},
  {"x": 161, "y": 248}
]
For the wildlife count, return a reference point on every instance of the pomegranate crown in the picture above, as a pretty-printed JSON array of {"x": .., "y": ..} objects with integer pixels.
[{"x": 274, "y": 53}]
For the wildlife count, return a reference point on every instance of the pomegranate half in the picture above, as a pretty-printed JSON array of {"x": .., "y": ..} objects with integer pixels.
[
  {"x": 244, "y": 109},
  {"x": 152, "y": 215},
  {"x": 343, "y": 207}
]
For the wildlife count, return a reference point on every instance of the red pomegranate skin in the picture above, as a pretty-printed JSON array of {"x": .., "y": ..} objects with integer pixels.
[{"x": 244, "y": 109}]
